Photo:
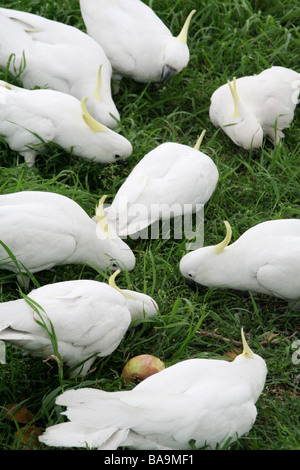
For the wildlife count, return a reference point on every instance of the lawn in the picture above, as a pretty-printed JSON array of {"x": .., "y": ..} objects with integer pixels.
[{"x": 226, "y": 39}]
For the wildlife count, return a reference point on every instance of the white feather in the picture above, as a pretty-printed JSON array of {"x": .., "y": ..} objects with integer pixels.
[
  {"x": 135, "y": 40},
  {"x": 57, "y": 56},
  {"x": 44, "y": 229},
  {"x": 202, "y": 399},
  {"x": 266, "y": 105},
  {"x": 31, "y": 118},
  {"x": 173, "y": 178},
  {"x": 89, "y": 318},
  {"x": 265, "y": 259}
]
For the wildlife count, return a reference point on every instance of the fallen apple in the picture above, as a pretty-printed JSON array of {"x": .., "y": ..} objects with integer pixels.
[{"x": 140, "y": 367}]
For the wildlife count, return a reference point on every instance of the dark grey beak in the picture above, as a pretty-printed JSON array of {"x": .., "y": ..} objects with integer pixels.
[
  {"x": 194, "y": 286},
  {"x": 167, "y": 73}
]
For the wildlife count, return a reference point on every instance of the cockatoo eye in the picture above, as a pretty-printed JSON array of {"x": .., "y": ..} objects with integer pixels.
[
  {"x": 114, "y": 266},
  {"x": 191, "y": 275},
  {"x": 117, "y": 157}
]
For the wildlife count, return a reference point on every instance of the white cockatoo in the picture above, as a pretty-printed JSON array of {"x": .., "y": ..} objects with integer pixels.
[
  {"x": 265, "y": 259},
  {"x": 136, "y": 41},
  {"x": 205, "y": 400},
  {"x": 31, "y": 118},
  {"x": 54, "y": 55},
  {"x": 45, "y": 229},
  {"x": 251, "y": 108},
  {"x": 171, "y": 180},
  {"x": 89, "y": 318}
]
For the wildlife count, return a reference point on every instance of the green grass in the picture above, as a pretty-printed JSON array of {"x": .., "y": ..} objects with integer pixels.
[{"x": 226, "y": 39}]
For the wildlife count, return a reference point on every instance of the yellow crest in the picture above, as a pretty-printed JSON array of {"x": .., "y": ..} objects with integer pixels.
[
  {"x": 102, "y": 222},
  {"x": 94, "y": 125},
  {"x": 246, "y": 349},
  {"x": 234, "y": 96},
  {"x": 199, "y": 141},
  {"x": 220, "y": 247},
  {"x": 112, "y": 283},
  {"x": 99, "y": 85},
  {"x": 184, "y": 32}
]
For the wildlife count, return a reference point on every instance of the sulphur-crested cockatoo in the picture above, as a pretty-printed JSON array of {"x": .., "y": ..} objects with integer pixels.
[
  {"x": 205, "y": 400},
  {"x": 250, "y": 108},
  {"x": 169, "y": 181},
  {"x": 89, "y": 318},
  {"x": 265, "y": 259},
  {"x": 136, "y": 41},
  {"x": 31, "y": 118},
  {"x": 44, "y": 229},
  {"x": 57, "y": 56}
]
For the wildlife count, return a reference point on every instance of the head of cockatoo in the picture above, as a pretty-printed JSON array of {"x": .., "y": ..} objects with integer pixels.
[
  {"x": 204, "y": 265},
  {"x": 245, "y": 130},
  {"x": 176, "y": 54},
  {"x": 140, "y": 305},
  {"x": 113, "y": 252},
  {"x": 94, "y": 141}
]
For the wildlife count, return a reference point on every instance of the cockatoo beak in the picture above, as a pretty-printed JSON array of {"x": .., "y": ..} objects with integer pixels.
[
  {"x": 246, "y": 350},
  {"x": 195, "y": 286},
  {"x": 167, "y": 73}
]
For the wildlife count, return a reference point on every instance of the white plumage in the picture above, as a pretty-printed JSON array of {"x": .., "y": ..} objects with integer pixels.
[
  {"x": 251, "y": 108},
  {"x": 89, "y": 318},
  {"x": 169, "y": 181},
  {"x": 31, "y": 118},
  {"x": 265, "y": 259},
  {"x": 206, "y": 400},
  {"x": 135, "y": 40},
  {"x": 44, "y": 229},
  {"x": 59, "y": 57}
]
